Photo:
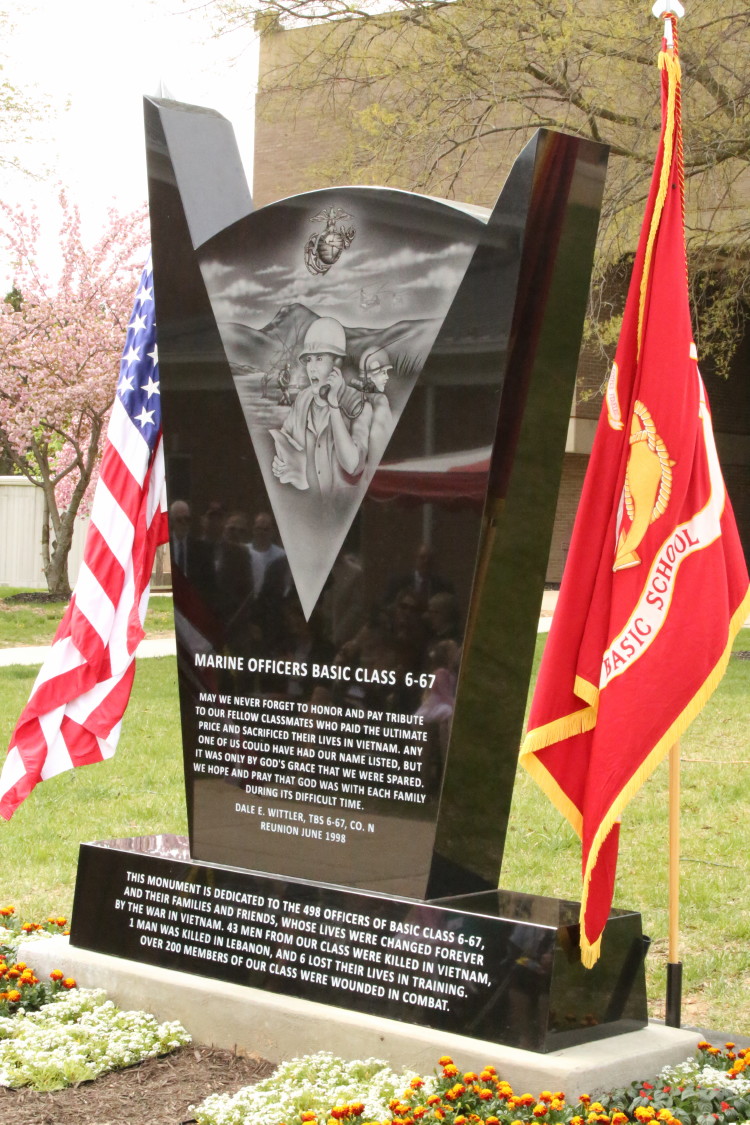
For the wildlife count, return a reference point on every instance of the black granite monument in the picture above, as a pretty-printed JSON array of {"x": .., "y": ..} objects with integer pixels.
[{"x": 365, "y": 397}]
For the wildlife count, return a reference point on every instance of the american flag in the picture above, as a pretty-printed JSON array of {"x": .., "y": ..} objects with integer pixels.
[{"x": 75, "y": 710}]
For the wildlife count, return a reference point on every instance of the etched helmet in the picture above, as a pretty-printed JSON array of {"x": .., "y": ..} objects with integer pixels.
[
  {"x": 325, "y": 335},
  {"x": 373, "y": 362}
]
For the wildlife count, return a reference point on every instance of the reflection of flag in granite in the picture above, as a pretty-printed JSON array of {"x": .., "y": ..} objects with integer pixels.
[
  {"x": 76, "y": 706},
  {"x": 655, "y": 585}
]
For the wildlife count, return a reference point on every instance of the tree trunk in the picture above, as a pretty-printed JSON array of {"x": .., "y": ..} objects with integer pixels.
[{"x": 56, "y": 570}]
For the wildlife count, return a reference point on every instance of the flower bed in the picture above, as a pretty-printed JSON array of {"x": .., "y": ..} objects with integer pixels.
[
  {"x": 322, "y": 1090},
  {"x": 54, "y": 1034}
]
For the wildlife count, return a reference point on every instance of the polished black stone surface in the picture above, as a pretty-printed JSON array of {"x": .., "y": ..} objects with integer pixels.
[
  {"x": 500, "y": 966},
  {"x": 356, "y": 629}
]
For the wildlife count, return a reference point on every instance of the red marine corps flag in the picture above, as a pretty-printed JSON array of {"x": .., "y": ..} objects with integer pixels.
[{"x": 655, "y": 586}]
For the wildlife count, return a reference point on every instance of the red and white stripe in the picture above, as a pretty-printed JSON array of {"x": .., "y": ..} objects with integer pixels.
[{"x": 75, "y": 710}]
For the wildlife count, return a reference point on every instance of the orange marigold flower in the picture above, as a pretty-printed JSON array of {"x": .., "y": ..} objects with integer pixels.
[
  {"x": 439, "y": 1114},
  {"x": 545, "y": 1096},
  {"x": 419, "y": 1112},
  {"x": 13, "y": 995},
  {"x": 307, "y": 1115},
  {"x": 29, "y": 927},
  {"x": 664, "y": 1115},
  {"x": 596, "y": 1107},
  {"x": 714, "y": 1051},
  {"x": 450, "y": 1070},
  {"x": 470, "y": 1076},
  {"x": 585, "y": 1099},
  {"x": 526, "y": 1099},
  {"x": 357, "y": 1108},
  {"x": 12, "y": 974},
  {"x": 576, "y": 1120},
  {"x": 492, "y": 1120},
  {"x": 460, "y": 1120},
  {"x": 416, "y": 1083},
  {"x": 703, "y": 1045},
  {"x": 6, "y": 911},
  {"x": 445, "y": 1060},
  {"x": 557, "y": 1104},
  {"x": 619, "y": 1118},
  {"x": 539, "y": 1109},
  {"x": 434, "y": 1099},
  {"x": 485, "y": 1094},
  {"x": 69, "y": 983},
  {"x": 730, "y": 1046},
  {"x": 56, "y": 975}
]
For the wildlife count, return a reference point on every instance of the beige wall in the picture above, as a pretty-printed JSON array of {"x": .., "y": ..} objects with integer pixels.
[{"x": 21, "y": 515}]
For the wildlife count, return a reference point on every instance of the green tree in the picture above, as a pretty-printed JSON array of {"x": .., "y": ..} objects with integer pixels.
[{"x": 438, "y": 96}]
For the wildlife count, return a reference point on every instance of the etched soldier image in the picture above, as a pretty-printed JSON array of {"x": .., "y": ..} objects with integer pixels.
[{"x": 324, "y": 441}]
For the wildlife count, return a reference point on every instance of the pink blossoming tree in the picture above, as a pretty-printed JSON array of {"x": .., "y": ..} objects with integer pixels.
[{"x": 60, "y": 347}]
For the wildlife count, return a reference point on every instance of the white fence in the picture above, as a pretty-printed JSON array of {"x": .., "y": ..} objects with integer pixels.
[{"x": 21, "y": 515}]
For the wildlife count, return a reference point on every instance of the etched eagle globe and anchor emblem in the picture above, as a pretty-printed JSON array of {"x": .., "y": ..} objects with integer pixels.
[{"x": 324, "y": 249}]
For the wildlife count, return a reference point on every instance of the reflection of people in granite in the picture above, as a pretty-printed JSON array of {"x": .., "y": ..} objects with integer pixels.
[
  {"x": 324, "y": 438},
  {"x": 191, "y": 556},
  {"x": 437, "y": 706},
  {"x": 343, "y": 599},
  {"x": 444, "y": 618},
  {"x": 264, "y": 553},
  {"x": 527, "y": 968},
  {"x": 423, "y": 580},
  {"x": 304, "y": 644}
]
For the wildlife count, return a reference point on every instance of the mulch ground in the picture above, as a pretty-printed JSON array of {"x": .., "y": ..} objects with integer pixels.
[{"x": 156, "y": 1092}]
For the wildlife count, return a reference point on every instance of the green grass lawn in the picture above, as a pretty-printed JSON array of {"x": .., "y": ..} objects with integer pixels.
[
  {"x": 29, "y": 623},
  {"x": 140, "y": 791}
]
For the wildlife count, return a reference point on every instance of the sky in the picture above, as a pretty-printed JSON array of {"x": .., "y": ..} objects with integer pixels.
[{"x": 93, "y": 61}]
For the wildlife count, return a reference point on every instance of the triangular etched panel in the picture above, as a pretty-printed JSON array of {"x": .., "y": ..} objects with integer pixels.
[{"x": 326, "y": 335}]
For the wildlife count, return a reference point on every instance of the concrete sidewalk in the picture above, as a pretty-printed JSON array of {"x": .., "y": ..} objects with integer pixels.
[{"x": 35, "y": 654}]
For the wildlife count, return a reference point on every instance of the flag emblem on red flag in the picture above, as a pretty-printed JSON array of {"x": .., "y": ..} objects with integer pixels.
[
  {"x": 655, "y": 586},
  {"x": 74, "y": 713}
]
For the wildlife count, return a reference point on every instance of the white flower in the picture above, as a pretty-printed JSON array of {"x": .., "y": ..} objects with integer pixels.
[{"x": 313, "y": 1082}]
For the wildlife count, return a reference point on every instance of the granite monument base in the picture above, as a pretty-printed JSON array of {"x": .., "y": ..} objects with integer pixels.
[{"x": 499, "y": 966}]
